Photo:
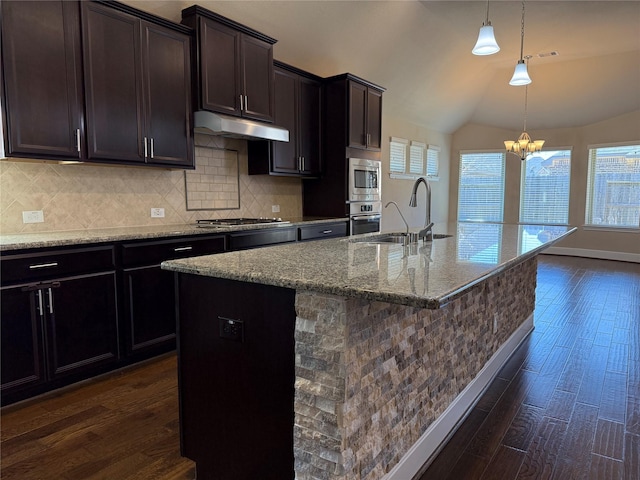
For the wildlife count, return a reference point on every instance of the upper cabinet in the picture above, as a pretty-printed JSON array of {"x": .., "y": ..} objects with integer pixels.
[
  {"x": 137, "y": 87},
  {"x": 128, "y": 70},
  {"x": 234, "y": 66},
  {"x": 298, "y": 108},
  {"x": 358, "y": 103},
  {"x": 42, "y": 94}
]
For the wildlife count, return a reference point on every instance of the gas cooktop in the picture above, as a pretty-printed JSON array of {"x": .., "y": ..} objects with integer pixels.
[{"x": 230, "y": 222}]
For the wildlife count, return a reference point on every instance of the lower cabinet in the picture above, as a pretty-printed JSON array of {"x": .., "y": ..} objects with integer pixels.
[
  {"x": 57, "y": 330},
  {"x": 149, "y": 326}
]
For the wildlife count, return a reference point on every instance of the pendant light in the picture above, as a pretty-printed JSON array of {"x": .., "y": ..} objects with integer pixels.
[
  {"x": 520, "y": 74},
  {"x": 486, "y": 44},
  {"x": 524, "y": 146}
]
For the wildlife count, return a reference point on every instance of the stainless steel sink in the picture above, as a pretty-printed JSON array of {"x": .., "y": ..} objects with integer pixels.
[{"x": 395, "y": 237}]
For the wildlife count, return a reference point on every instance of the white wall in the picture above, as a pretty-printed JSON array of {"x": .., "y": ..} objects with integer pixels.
[{"x": 400, "y": 190}]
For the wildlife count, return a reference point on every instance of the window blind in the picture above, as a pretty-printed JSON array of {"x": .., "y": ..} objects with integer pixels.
[
  {"x": 416, "y": 158},
  {"x": 613, "y": 189},
  {"x": 398, "y": 154},
  {"x": 481, "y": 187},
  {"x": 544, "y": 190},
  {"x": 433, "y": 160}
]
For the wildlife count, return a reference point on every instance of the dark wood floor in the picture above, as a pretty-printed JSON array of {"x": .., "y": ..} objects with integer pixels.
[{"x": 567, "y": 406}]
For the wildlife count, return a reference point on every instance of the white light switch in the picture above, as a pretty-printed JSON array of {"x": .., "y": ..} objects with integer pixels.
[{"x": 32, "y": 216}]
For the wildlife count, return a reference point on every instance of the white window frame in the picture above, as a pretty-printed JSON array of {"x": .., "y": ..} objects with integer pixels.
[
  {"x": 590, "y": 196},
  {"x": 523, "y": 186},
  {"x": 502, "y": 155},
  {"x": 410, "y": 160}
]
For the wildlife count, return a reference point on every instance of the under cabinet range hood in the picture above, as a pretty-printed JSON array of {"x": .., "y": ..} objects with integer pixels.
[{"x": 210, "y": 123}]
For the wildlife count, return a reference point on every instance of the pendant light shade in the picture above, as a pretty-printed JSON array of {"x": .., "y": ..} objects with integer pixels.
[
  {"x": 520, "y": 75},
  {"x": 486, "y": 44}
]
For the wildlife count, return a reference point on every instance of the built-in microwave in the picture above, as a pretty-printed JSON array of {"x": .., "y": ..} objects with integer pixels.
[{"x": 364, "y": 180}]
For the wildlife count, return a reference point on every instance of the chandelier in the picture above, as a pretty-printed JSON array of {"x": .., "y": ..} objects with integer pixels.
[{"x": 524, "y": 146}]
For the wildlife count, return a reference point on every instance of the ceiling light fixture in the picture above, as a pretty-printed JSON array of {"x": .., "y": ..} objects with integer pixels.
[
  {"x": 486, "y": 44},
  {"x": 524, "y": 146},
  {"x": 520, "y": 74}
]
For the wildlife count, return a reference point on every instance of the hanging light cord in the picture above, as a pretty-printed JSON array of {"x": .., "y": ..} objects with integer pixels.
[
  {"x": 487, "y": 22},
  {"x": 526, "y": 94},
  {"x": 522, "y": 35}
]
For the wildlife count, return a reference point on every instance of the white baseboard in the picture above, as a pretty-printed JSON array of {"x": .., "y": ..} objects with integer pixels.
[
  {"x": 602, "y": 254},
  {"x": 446, "y": 424}
]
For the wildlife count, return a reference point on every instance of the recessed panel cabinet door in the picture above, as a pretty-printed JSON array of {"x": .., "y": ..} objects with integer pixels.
[
  {"x": 357, "y": 115},
  {"x": 285, "y": 154},
  {"x": 374, "y": 119},
  {"x": 310, "y": 125},
  {"x": 81, "y": 334},
  {"x": 112, "y": 72},
  {"x": 21, "y": 331},
  {"x": 42, "y": 75},
  {"x": 257, "y": 60},
  {"x": 219, "y": 68},
  {"x": 166, "y": 58}
]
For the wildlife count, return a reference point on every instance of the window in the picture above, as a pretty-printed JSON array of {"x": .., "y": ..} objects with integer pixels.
[
  {"x": 544, "y": 191},
  {"x": 422, "y": 159},
  {"x": 481, "y": 187},
  {"x": 613, "y": 189}
]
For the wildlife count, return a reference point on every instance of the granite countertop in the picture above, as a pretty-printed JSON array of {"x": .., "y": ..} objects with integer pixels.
[
  {"x": 107, "y": 235},
  {"x": 427, "y": 275}
]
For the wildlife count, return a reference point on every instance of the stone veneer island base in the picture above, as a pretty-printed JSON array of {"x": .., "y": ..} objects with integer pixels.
[{"x": 324, "y": 361}]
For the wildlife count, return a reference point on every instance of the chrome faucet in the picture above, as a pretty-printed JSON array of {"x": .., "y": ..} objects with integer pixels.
[
  {"x": 413, "y": 202},
  {"x": 401, "y": 216}
]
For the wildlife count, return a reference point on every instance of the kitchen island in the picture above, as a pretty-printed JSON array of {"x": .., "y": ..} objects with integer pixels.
[{"x": 347, "y": 358}]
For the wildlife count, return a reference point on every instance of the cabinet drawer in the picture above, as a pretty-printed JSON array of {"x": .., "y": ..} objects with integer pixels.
[
  {"x": 41, "y": 266},
  {"x": 261, "y": 238},
  {"x": 326, "y": 230},
  {"x": 155, "y": 252}
]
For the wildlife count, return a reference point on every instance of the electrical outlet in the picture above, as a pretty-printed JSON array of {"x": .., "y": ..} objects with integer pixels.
[
  {"x": 275, "y": 208},
  {"x": 231, "y": 329},
  {"x": 157, "y": 213},
  {"x": 32, "y": 216}
]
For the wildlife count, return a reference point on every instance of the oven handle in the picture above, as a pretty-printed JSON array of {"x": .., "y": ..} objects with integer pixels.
[{"x": 365, "y": 217}]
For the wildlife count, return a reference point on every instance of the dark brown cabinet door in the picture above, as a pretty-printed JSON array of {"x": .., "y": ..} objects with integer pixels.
[
  {"x": 167, "y": 87},
  {"x": 219, "y": 67},
  {"x": 374, "y": 119},
  {"x": 357, "y": 115},
  {"x": 310, "y": 121},
  {"x": 81, "y": 326},
  {"x": 42, "y": 74},
  {"x": 150, "y": 310},
  {"x": 257, "y": 79},
  {"x": 22, "y": 350},
  {"x": 285, "y": 154},
  {"x": 113, "y": 69}
]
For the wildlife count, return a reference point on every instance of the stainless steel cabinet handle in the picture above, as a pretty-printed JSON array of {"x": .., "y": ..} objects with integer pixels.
[
  {"x": 78, "y": 139},
  {"x": 241, "y": 103},
  {"x": 327, "y": 232},
  {"x": 365, "y": 217},
  {"x": 145, "y": 147},
  {"x": 246, "y": 103},
  {"x": 368, "y": 138},
  {"x": 43, "y": 265},
  {"x": 40, "y": 302},
  {"x": 302, "y": 164},
  {"x": 50, "y": 301},
  {"x": 182, "y": 249},
  {"x": 151, "y": 147}
]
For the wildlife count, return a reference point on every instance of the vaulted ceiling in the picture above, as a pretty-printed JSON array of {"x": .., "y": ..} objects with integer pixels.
[{"x": 420, "y": 51}]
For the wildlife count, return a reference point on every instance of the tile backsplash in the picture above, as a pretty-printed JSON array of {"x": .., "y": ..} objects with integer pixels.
[{"x": 83, "y": 196}]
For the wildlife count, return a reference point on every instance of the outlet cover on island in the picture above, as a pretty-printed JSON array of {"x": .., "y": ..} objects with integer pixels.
[
  {"x": 275, "y": 208},
  {"x": 157, "y": 213},
  {"x": 33, "y": 216}
]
